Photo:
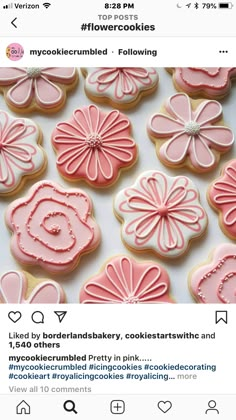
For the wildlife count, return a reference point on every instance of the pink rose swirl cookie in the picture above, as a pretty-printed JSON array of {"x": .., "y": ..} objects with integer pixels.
[
  {"x": 21, "y": 155},
  {"x": 94, "y": 145},
  {"x": 186, "y": 133},
  {"x": 120, "y": 87},
  {"x": 210, "y": 82},
  {"x": 125, "y": 280},
  {"x": 222, "y": 197},
  {"x": 28, "y": 89},
  {"x": 160, "y": 213},
  {"x": 215, "y": 280},
  {"x": 22, "y": 287},
  {"x": 52, "y": 227}
]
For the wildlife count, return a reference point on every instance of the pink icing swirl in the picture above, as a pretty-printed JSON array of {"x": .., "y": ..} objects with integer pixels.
[
  {"x": 126, "y": 281},
  {"x": 94, "y": 145},
  {"x": 211, "y": 81},
  {"x": 121, "y": 84},
  {"x": 215, "y": 282},
  {"x": 52, "y": 227},
  {"x": 190, "y": 133},
  {"x": 13, "y": 288},
  {"x": 160, "y": 213},
  {"x": 36, "y": 83},
  {"x": 19, "y": 153},
  {"x": 222, "y": 196}
]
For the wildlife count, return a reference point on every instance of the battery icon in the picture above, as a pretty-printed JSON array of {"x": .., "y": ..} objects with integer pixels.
[{"x": 225, "y": 5}]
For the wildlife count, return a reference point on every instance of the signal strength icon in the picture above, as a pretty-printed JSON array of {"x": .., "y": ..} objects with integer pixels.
[
  {"x": 8, "y": 6},
  {"x": 46, "y": 5}
]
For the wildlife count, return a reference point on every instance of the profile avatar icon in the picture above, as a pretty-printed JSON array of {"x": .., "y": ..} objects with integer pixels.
[{"x": 212, "y": 407}]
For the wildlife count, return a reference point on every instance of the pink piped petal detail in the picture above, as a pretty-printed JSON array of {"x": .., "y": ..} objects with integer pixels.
[
  {"x": 46, "y": 292},
  {"x": 160, "y": 213},
  {"x": 47, "y": 93},
  {"x": 176, "y": 149},
  {"x": 163, "y": 125},
  {"x": 60, "y": 74},
  {"x": 10, "y": 75},
  {"x": 21, "y": 94},
  {"x": 180, "y": 107},
  {"x": 222, "y": 196},
  {"x": 94, "y": 145},
  {"x": 120, "y": 84},
  {"x": 199, "y": 140},
  {"x": 125, "y": 281},
  {"x": 208, "y": 112}
]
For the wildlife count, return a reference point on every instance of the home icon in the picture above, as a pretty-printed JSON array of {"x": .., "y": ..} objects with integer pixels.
[{"x": 23, "y": 408}]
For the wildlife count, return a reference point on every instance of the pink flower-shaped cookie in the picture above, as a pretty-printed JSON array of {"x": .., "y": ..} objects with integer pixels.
[
  {"x": 222, "y": 197},
  {"x": 211, "y": 82},
  {"x": 215, "y": 281},
  {"x": 192, "y": 138},
  {"x": 160, "y": 213},
  {"x": 120, "y": 86},
  {"x": 52, "y": 227},
  {"x": 14, "y": 287},
  {"x": 94, "y": 145},
  {"x": 30, "y": 88},
  {"x": 127, "y": 281},
  {"x": 20, "y": 154}
]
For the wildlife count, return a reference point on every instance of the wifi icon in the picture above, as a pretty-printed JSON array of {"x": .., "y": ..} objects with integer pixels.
[{"x": 46, "y": 5}]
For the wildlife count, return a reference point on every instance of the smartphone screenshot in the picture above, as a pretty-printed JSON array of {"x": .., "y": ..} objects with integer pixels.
[{"x": 117, "y": 210}]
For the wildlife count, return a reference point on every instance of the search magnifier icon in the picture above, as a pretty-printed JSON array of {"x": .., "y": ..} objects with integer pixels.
[{"x": 69, "y": 406}]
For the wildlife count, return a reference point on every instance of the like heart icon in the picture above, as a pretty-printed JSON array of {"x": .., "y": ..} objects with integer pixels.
[
  {"x": 14, "y": 316},
  {"x": 164, "y": 406}
]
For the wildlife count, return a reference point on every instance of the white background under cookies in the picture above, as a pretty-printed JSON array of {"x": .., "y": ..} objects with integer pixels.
[{"x": 111, "y": 243}]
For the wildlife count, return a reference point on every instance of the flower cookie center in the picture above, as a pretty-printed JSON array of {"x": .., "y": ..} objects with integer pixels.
[
  {"x": 94, "y": 140},
  {"x": 192, "y": 127},
  {"x": 34, "y": 72},
  {"x": 131, "y": 299},
  {"x": 163, "y": 210},
  {"x": 54, "y": 229}
]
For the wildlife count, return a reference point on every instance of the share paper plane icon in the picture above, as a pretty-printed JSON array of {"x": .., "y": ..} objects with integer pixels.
[{"x": 61, "y": 315}]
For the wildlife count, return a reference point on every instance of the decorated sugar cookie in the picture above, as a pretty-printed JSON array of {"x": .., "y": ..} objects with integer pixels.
[
  {"x": 21, "y": 155},
  {"x": 124, "y": 280},
  {"x": 208, "y": 82},
  {"x": 94, "y": 145},
  {"x": 27, "y": 89},
  {"x": 52, "y": 227},
  {"x": 22, "y": 287},
  {"x": 222, "y": 197},
  {"x": 160, "y": 213},
  {"x": 215, "y": 280},
  {"x": 190, "y": 133},
  {"x": 120, "y": 87}
]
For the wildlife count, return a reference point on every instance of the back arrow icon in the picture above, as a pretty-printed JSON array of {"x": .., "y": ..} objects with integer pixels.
[{"x": 12, "y": 22}]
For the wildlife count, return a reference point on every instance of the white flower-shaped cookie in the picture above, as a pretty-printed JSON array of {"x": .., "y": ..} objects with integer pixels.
[{"x": 160, "y": 213}]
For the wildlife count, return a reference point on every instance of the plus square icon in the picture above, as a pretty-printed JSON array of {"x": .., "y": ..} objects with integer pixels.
[{"x": 117, "y": 406}]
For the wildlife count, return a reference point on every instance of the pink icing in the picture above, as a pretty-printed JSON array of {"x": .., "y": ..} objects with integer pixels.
[
  {"x": 215, "y": 282},
  {"x": 19, "y": 153},
  {"x": 94, "y": 145},
  {"x": 211, "y": 81},
  {"x": 121, "y": 84},
  {"x": 190, "y": 134},
  {"x": 160, "y": 213},
  {"x": 222, "y": 195},
  {"x": 126, "y": 281},
  {"x": 13, "y": 288},
  {"x": 52, "y": 227},
  {"x": 36, "y": 83}
]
